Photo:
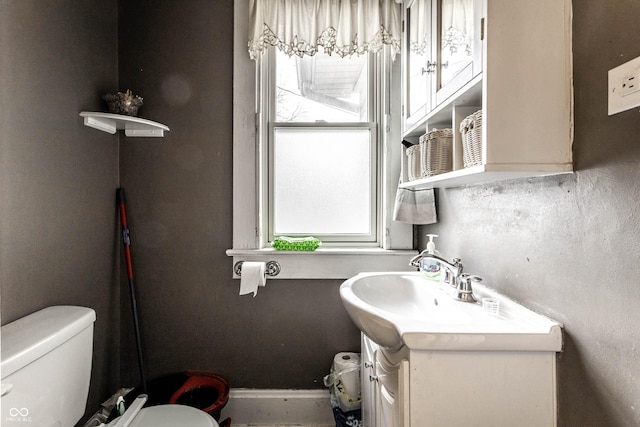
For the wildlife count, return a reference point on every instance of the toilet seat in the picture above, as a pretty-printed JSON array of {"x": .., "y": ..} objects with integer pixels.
[{"x": 172, "y": 416}]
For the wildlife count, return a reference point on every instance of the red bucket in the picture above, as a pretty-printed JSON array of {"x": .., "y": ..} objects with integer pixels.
[
  {"x": 206, "y": 391},
  {"x": 203, "y": 390}
]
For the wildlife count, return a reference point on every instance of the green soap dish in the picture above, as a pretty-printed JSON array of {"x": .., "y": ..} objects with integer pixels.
[{"x": 283, "y": 243}]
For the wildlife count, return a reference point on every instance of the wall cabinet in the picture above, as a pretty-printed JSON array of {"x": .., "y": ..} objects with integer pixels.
[
  {"x": 442, "y": 53},
  {"x": 510, "y": 58},
  {"x": 416, "y": 62},
  {"x": 457, "y": 388}
]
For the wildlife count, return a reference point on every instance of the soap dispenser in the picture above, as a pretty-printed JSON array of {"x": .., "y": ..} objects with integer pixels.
[{"x": 430, "y": 268}]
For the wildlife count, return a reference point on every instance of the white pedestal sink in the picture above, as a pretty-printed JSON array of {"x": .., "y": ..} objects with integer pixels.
[
  {"x": 429, "y": 360},
  {"x": 396, "y": 309}
]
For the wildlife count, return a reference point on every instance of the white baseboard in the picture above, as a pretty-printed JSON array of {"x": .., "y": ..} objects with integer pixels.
[{"x": 279, "y": 407}]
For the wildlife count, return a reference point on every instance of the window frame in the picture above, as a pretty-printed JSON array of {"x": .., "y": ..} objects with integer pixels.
[
  {"x": 267, "y": 126},
  {"x": 250, "y": 243}
]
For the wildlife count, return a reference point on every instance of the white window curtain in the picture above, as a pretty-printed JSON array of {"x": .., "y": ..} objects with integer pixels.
[
  {"x": 420, "y": 27},
  {"x": 344, "y": 27},
  {"x": 457, "y": 25}
]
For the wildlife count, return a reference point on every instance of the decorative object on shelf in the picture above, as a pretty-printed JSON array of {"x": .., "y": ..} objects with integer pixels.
[
  {"x": 123, "y": 103},
  {"x": 471, "y": 130},
  {"x": 283, "y": 243},
  {"x": 413, "y": 163},
  {"x": 435, "y": 152}
]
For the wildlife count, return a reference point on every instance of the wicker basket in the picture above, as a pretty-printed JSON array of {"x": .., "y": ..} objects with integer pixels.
[
  {"x": 435, "y": 152},
  {"x": 471, "y": 130},
  {"x": 413, "y": 163}
]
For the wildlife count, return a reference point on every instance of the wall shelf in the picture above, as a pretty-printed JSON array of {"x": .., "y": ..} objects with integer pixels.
[
  {"x": 487, "y": 173},
  {"x": 133, "y": 126}
]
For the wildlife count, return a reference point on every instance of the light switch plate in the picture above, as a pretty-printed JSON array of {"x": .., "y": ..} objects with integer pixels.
[{"x": 624, "y": 86}]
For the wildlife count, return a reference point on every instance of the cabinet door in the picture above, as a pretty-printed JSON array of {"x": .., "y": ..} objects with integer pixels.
[
  {"x": 367, "y": 381},
  {"x": 387, "y": 405},
  {"x": 388, "y": 408},
  {"x": 458, "y": 47},
  {"x": 418, "y": 68}
]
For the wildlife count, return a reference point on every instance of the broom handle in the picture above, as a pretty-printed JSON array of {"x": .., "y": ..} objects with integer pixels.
[{"x": 126, "y": 240}]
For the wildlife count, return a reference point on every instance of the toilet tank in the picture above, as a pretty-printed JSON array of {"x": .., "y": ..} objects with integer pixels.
[{"x": 45, "y": 365}]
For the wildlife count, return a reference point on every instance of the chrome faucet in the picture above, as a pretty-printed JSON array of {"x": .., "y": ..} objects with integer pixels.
[{"x": 459, "y": 281}]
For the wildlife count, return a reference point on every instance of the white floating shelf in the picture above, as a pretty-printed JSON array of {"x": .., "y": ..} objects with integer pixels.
[
  {"x": 133, "y": 126},
  {"x": 483, "y": 174}
]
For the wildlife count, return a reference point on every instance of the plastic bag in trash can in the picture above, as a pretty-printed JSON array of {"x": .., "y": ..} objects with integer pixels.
[
  {"x": 344, "y": 380},
  {"x": 344, "y": 383}
]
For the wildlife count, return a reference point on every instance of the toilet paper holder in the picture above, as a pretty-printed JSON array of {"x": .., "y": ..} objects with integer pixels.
[{"x": 272, "y": 268}]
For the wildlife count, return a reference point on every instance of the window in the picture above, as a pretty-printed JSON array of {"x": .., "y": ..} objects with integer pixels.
[
  {"x": 321, "y": 135},
  {"x": 320, "y": 122}
]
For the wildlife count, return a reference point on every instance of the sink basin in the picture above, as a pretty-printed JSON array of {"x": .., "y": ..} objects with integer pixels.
[{"x": 396, "y": 309}]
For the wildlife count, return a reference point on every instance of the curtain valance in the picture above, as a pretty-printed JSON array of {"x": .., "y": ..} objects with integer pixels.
[{"x": 344, "y": 27}]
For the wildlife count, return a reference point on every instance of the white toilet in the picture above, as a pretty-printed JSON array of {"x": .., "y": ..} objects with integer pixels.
[{"x": 46, "y": 367}]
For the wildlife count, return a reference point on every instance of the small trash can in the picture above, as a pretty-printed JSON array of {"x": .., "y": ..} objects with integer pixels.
[{"x": 344, "y": 387}]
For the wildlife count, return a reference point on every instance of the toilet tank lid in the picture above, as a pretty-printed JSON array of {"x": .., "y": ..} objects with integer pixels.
[{"x": 33, "y": 336}]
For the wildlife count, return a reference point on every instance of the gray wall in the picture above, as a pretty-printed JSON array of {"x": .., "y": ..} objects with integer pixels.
[
  {"x": 569, "y": 246},
  {"x": 57, "y": 177},
  {"x": 565, "y": 246},
  {"x": 179, "y": 56}
]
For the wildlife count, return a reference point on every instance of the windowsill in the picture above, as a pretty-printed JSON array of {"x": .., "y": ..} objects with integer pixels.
[{"x": 327, "y": 263}]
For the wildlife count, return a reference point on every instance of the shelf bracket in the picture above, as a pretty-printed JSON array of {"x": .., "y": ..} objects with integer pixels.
[{"x": 108, "y": 126}]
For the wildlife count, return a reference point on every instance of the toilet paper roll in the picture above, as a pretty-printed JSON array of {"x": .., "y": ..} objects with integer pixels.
[
  {"x": 346, "y": 372},
  {"x": 252, "y": 276}
]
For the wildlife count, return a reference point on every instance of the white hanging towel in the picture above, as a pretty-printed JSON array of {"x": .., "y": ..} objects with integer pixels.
[{"x": 415, "y": 206}]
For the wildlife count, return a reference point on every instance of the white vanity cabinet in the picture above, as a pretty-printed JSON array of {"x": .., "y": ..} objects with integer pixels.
[
  {"x": 459, "y": 388},
  {"x": 510, "y": 58}
]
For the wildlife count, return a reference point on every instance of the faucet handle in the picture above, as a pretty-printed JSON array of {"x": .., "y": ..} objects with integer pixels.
[
  {"x": 464, "y": 292},
  {"x": 466, "y": 281}
]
